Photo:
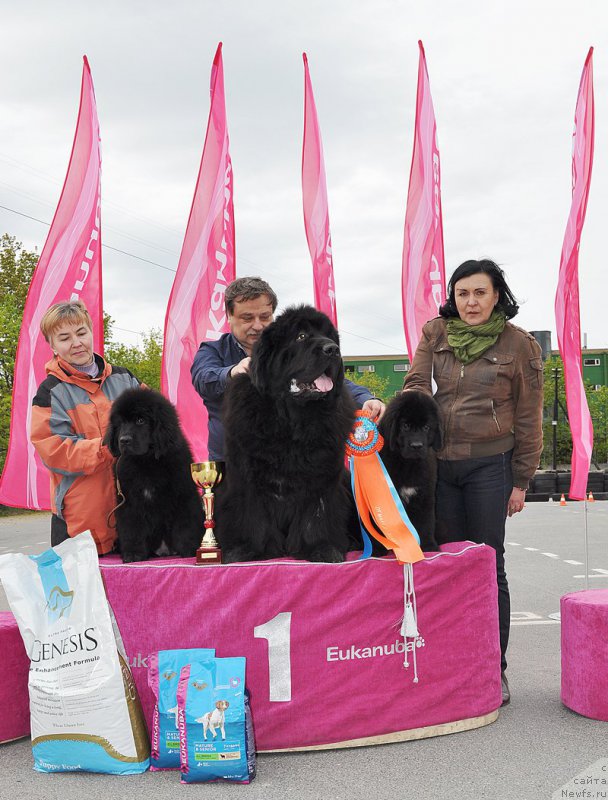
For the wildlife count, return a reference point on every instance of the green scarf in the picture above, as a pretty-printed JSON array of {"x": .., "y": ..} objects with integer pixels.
[{"x": 471, "y": 341}]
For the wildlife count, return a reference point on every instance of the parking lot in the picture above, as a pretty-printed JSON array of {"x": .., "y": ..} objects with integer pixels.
[{"x": 534, "y": 748}]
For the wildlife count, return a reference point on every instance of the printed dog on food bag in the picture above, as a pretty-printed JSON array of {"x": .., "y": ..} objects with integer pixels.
[{"x": 214, "y": 719}]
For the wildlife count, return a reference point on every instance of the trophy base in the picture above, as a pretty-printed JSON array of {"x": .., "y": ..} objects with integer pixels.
[{"x": 208, "y": 555}]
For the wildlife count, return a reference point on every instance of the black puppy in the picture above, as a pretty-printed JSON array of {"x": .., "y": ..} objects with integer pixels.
[
  {"x": 286, "y": 424},
  {"x": 161, "y": 504},
  {"x": 411, "y": 428}
]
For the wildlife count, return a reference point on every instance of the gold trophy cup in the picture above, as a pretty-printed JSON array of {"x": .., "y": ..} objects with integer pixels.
[{"x": 208, "y": 474}]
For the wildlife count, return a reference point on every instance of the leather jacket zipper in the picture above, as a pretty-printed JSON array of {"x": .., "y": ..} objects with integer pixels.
[
  {"x": 495, "y": 417},
  {"x": 448, "y": 426}
]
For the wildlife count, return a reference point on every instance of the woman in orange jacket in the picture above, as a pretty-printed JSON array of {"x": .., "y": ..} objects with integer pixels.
[{"x": 70, "y": 416}]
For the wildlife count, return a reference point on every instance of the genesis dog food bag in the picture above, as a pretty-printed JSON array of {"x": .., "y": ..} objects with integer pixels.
[
  {"x": 163, "y": 677},
  {"x": 215, "y": 728},
  {"x": 85, "y": 711}
]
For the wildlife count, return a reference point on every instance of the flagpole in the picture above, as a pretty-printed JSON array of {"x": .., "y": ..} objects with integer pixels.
[
  {"x": 69, "y": 267},
  {"x": 567, "y": 305},
  {"x": 195, "y": 311},
  {"x": 586, "y": 548},
  {"x": 422, "y": 259},
  {"x": 316, "y": 206}
]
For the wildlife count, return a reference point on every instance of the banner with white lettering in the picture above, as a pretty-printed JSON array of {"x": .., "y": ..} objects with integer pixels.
[
  {"x": 195, "y": 312},
  {"x": 567, "y": 310},
  {"x": 69, "y": 268},
  {"x": 316, "y": 213},
  {"x": 423, "y": 270}
]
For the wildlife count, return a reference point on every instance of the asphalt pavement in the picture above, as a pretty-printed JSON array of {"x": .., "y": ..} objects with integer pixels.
[{"x": 534, "y": 748}]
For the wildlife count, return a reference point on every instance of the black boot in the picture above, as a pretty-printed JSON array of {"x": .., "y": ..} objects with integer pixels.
[{"x": 506, "y": 694}]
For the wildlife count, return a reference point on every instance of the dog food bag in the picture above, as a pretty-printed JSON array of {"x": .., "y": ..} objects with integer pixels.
[
  {"x": 84, "y": 707},
  {"x": 215, "y": 728},
  {"x": 163, "y": 677}
]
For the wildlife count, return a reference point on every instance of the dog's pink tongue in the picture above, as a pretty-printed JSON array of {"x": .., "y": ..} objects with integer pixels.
[{"x": 324, "y": 383}]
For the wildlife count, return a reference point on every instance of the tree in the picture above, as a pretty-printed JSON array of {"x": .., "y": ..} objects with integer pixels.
[
  {"x": 16, "y": 269},
  {"x": 597, "y": 401},
  {"x": 598, "y": 408},
  {"x": 144, "y": 361},
  {"x": 564, "y": 438},
  {"x": 378, "y": 386}
]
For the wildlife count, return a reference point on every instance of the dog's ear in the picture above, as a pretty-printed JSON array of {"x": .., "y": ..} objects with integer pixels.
[
  {"x": 438, "y": 438},
  {"x": 162, "y": 441},
  {"x": 389, "y": 424},
  {"x": 111, "y": 439},
  {"x": 437, "y": 443},
  {"x": 262, "y": 357},
  {"x": 163, "y": 428}
]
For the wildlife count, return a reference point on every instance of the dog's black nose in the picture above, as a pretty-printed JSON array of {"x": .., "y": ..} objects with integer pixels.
[
  {"x": 416, "y": 445},
  {"x": 331, "y": 349},
  {"x": 125, "y": 438}
]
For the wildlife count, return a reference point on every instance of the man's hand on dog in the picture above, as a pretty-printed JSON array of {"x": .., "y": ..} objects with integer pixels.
[
  {"x": 241, "y": 368},
  {"x": 375, "y": 407}
]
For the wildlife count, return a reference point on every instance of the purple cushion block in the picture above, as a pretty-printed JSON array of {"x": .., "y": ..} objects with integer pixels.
[
  {"x": 584, "y": 618},
  {"x": 14, "y": 698}
]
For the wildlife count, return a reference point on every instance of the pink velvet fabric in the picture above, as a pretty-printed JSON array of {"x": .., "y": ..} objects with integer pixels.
[
  {"x": 584, "y": 617},
  {"x": 14, "y": 696},
  {"x": 336, "y": 609}
]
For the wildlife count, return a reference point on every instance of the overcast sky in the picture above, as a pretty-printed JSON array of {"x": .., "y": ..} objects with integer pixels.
[{"x": 504, "y": 79}]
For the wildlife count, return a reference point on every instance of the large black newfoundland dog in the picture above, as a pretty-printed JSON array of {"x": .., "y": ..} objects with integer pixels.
[
  {"x": 162, "y": 512},
  {"x": 411, "y": 428},
  {"x": 286, "y": 491}
]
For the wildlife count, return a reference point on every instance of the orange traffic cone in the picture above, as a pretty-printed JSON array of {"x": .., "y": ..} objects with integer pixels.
[
  {"x": 591, "y": 498},
  {"x": 562, "y": 502}
]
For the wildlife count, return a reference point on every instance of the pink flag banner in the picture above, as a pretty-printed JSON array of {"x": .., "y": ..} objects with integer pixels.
[
  {"x": 423, "y": 266},
  {"x": 316, "y": 213},
  {"x": 567, "y": 309},
  {"x": 69, "y": 268},
  {"x": 195, "y": 312}
]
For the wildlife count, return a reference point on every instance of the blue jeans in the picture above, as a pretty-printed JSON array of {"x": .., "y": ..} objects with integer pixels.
[
  {"x": 59, "y": 530},
  {"x": 471, "y": 503}
]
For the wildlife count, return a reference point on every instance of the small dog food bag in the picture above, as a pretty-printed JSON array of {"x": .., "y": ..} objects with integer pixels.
[
  {"x": 84, "y": 707},
  {"x": 163, "y": 677},
  {"x": 215, "y": 728}
]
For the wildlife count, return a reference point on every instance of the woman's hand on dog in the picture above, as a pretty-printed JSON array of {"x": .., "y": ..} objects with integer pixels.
[
  {"x": 375, "y": 407},
  {"x": 516, "y": 501}
]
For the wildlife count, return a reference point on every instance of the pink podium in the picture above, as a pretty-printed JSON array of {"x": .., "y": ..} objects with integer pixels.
[
  {"x": 584, "y": 618},
  {"x": 325, "y": 658},
  {"x": 14, "y": 697}
]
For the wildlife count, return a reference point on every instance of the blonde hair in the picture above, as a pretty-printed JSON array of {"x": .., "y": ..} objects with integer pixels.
[{"x": 73, "y": 311}]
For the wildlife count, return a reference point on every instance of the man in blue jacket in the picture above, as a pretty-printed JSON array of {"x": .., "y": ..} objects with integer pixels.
[{"x": 250, "y": 306}]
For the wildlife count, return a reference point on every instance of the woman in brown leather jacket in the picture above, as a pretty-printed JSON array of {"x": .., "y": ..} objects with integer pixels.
[{"x": 489, "y": 379}]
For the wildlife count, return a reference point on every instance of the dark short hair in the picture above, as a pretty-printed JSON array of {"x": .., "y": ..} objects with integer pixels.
[
  {"x": 243, "y": 289},
  {"x": 506, "y": 300}
]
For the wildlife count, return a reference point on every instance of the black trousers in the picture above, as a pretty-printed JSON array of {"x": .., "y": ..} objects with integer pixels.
[
  {"x": 471, "y": 503},
  {"x": 59, "y": 530}
]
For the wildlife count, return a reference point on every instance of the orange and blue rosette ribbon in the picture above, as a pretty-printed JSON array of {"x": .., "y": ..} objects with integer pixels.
[{"x": 376, "y": 497}]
